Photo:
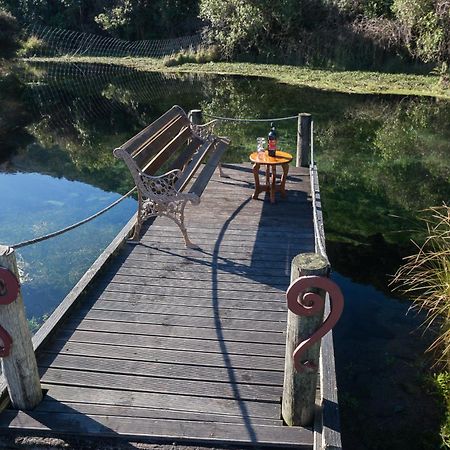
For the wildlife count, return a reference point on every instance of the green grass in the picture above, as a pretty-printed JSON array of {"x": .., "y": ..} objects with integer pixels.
[{"x": 357, "y": 82}]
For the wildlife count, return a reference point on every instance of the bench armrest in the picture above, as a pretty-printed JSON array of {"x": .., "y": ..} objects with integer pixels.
[
  {"x": 159, "y": 187},
  {"x": 205, "y": 131}
]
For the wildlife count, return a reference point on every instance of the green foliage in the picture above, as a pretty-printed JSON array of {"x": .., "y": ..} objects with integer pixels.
[
  {"x": 8, "y": 34},
  {"x": 426, "y": 25},
  {"x": 236, "y": 25},
  {"x": 197, "y": 56},
  {"x": 32, "y": 46},
  {"x": 145, "y": 19},
  {"x": 440, "y": 383}
]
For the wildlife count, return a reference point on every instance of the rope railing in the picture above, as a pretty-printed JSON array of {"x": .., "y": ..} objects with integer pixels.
[
  {"x": 74, "y": 225},
  {"x": 238, "y": 119}
]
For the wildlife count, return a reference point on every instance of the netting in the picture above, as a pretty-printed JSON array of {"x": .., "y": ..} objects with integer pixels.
[{"x": 52, "y": 42}]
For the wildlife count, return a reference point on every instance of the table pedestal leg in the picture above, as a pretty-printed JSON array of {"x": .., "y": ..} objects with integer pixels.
[
  {"x": 272, "y": 184},
  {"x": 283, "y": 179},
  {"x": 256, "y": 175}
]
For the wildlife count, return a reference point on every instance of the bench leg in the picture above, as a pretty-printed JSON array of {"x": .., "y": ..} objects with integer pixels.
[
  {"x": 137, "y": 227},
  {"x": 222, "y": 174},
  {"x": 178, "y": 218}
]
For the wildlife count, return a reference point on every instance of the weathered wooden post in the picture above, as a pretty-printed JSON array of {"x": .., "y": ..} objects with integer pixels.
[
  {"x": 303, "y": 140},
  {"x": 19, "y": 361},
  {"x": 300, "y": 387},
  {"x": 195, "y": 116}
]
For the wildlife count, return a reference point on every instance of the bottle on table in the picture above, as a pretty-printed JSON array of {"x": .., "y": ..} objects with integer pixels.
[{"x": 272, "y": 141}]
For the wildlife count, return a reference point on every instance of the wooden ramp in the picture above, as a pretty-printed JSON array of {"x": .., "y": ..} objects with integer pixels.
[{"x": 174, "y": 344}]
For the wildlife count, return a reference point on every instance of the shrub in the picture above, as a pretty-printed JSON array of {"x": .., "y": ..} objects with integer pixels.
[
  {"x": 32, "y": 46},
  {"x": 197, "y": 56},
  {"x": 8, "y": 34}
]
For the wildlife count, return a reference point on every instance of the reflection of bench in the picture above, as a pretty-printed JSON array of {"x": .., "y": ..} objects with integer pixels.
[{"x": 175, "y": 145}]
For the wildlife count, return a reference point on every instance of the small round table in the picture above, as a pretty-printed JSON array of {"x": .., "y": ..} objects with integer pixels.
[{"x": 280, "y": 159}]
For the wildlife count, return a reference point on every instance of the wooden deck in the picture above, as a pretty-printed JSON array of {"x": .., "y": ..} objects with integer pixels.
[{"x": 173, "y": 344}]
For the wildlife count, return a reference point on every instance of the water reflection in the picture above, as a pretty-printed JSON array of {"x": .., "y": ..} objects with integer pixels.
[
  {"x": 381, "y": 159},
  {"x": 34, "y": 205}
]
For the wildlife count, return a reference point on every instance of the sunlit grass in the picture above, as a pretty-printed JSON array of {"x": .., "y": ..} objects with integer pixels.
[{"x": 356, "y": 82}]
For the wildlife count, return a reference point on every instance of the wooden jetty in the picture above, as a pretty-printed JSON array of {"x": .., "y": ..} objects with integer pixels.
[{"x": 162, "y": 343}]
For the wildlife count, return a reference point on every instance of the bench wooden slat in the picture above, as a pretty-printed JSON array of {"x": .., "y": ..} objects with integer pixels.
[
  {"x": 193, "y": 165},
  {"x": 144, "y": 154},
  {"x": 171, "y": 147},
  {"x": 202, "y": 180},
  {"x": 139, "y": 139},
  {"x": 184, "y": 157}
]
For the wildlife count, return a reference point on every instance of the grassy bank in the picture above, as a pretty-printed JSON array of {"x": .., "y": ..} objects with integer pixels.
[{"x": 357, "y": 82}]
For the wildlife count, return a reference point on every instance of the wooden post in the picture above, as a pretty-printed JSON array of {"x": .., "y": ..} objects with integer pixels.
[
  {"x": 195, "y": 116},
  {"x": 303, "y": 140},
  {"x": 19, "y": 367},
  {"x": 299, "y": 389}
]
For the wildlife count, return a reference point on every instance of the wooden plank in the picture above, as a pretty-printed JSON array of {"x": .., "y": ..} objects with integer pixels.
[
  {"x": 233, "y": 254},
  {"x": 217, "y": 262},
  {"x": 169, "y": 356},
  {"x": 161, "y": 270},
  {"x": 187, "y": 403},
  {"x": 162, "y": 370},
  {"x": 56, "y": 407},
  {"x": 248, "y": 233},
  {"x": 216, "y": 295},
  {"x": 135, "y": 280},
  {"x": 167, "y": 430},
  {"x": 172, "y": 343},
  {"x": 250, "y": 304},
  {"x": 162, "y": 385},
  {"x": 218, "y": 322},
  {"x": 271, "y": 243},
  {"x": 203, "y": 178},
  {"x": 174, "y": 330},
  {"x": 194, "y": 311}
]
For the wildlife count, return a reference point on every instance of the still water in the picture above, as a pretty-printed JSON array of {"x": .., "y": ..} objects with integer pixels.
[{"x": 380, "y": 159}]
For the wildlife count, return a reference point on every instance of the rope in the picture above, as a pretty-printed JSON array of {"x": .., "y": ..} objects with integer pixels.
[
  {"x": 235, "y": 119},
  {"x": 71, "y": 227}
]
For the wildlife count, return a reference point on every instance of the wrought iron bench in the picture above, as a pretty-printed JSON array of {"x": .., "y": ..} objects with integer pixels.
[{"x": 173, "y": 142}]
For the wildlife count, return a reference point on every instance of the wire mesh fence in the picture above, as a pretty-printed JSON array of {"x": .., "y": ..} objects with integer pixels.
[{"x": 54, "y": 42}]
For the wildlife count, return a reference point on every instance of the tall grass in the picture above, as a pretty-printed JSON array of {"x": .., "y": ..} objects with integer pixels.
[{"x": 425, "y": 278}]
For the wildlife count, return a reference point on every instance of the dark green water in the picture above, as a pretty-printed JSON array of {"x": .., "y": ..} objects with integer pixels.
[{"x": 380, "y": 159}]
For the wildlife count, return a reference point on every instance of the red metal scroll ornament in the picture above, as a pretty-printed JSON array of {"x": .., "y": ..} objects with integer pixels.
[
  {"x": 7, "y": 341},
  {"x": 308, "y": 304},
  {"x": 9, "y": 291},
  {"x": 9, "y": 286}
]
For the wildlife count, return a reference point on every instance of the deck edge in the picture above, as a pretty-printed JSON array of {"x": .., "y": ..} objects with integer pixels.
[{"x": 327, "y": 430}]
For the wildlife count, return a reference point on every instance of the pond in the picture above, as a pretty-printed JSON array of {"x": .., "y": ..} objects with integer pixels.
[{"x": 380, "y": 159}]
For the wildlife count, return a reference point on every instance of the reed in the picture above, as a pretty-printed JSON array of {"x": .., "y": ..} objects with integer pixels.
[{"x": 425, "y": 278}]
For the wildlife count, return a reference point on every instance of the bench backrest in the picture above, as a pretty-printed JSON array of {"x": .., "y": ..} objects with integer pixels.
[{"x": 160, "y": 141}]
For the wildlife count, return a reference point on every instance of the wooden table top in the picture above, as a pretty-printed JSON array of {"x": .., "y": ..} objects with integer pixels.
[{"x": 280, "y": 158}]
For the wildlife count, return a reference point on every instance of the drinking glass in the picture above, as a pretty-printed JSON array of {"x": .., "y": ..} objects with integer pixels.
[{"x": 260, "y": 146}]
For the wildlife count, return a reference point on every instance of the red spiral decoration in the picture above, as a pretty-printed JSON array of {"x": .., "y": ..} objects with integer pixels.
[
  {"x": 9, "y": 286},
  {"x": 308, "y": 304},
  {"x": 6, "y": 339}
]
